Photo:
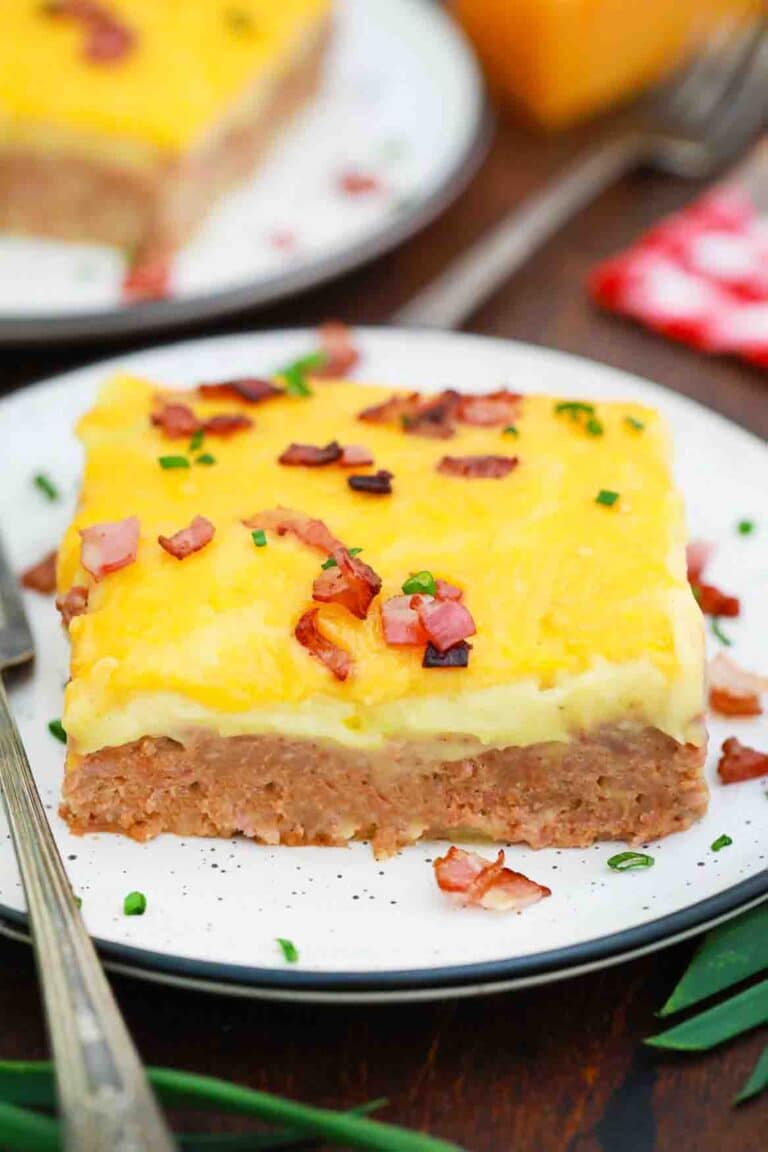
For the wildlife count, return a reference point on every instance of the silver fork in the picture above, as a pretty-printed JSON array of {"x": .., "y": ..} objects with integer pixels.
[
  {"x": 693, "y": 127},
  {"x": 105, "y": 1101}
]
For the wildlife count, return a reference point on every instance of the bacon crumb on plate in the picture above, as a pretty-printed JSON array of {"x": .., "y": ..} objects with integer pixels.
[
  {"x": 474, "y": 881},
  {"x": 41, "y": 577},
  {"x": 311, "y": 455},
  {"x": 739, "y": 763},
  {"x": 340, "y": 352},
  {"x": 312, "y": 532},
  {"x": 107, "y": 38},
  {"x": 310, "y": 637},
  {"x": 710, "y": 599},
  {"x": 250, "y": 389},
  {"x": 177, "y": 421},
  {"x": 188, "y": 540},
  {"x": 227, "y": 424},
  {"x": 732, "y": 690},
  {"x": 400, "y": 622},
  {"x": 457, "y": 656},
  {"x": 351, "y": 583},
  {"x": 446, "y": 591},
  {"x": 355, "y": 456},
  {"x": 478, "y": 467},
  {"x": 490, "y": 409},
  {"x": 698, "y": 555},
  {"x": 148, "y": 278},
  {"x": 378, "y": 484},
  {"x": 446, "y": 622},
  {"x": 108, "y": 547},
  {"x": 72, "y": 603}
]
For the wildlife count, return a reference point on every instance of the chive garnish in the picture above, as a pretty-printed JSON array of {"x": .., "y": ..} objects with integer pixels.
[
  {"x": 168, "y": 462},
  {"x": 574, "y": 409},
  {"x": 746, "y": 527},
  {"x": 420, "y": 583},
  {"x": 633, "y": 422},
  {"x": 196, "y": 442},
  {"x": 289, "y": 950},
  {"x": 46, "y": 486},
  {"x": 206, "y": 458},
  {"x": 624, "y": 861},
  {"x": 259, "y": 537},
  {"x": 510, "y": 430},
  {"x": 56, "y": 728},
  {"x": 295, "y": 374},
  {"x": 331, "y": 563},
  {"x": 593, "y": 426},
  {"x": 718, "y": 632},
  {"x": 135, "y": 904},
  {"x": 606, "y": 497},
  {"x": 78, "y": 901},
  {"x": 723, "y": 841}
]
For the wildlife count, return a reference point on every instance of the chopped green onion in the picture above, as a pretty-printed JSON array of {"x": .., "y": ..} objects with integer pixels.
[
  {"x": 135, "y": 904},
  {"x": 721, "y": 842},
  {"x": 624, "y": 861},
  {"x": 420, "y": 583},
  {"x": 606, "y": 497},
  {"x": 593, "y": 426},
  {"x": 78, "y": 901},
  {"x": 295, "y": 374},
  {"x": 718, "y": 632},
  {"x": 574, "y": 409},
  {"x": 633, "y": 422},
  {"x": 46, "y": 486},
  {"x": 167, "y": 462},
  {"x": 289, "y": 950},
  {"x": 331, "y": 563},
  {"x": 259, "y": 537},
  {"x": 196, "y": 442},
  {"x": 206, "y": 458},
  {"x": 746, "y": 527},
  {"x": 510, "y": 430},
  {"x": 56, "y": 728}
]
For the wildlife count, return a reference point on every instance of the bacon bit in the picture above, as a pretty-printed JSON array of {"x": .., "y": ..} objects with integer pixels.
[
  {"x": 379, "y": 484},
  {"x": 478, "y": 467},
  {"x": 698, "y": 554},
  {"x": 312, "y": 532},
  {"x": 739, "y": 763},
  {"x": 446, "y": 591},
  {"x": 351, "y": 583},
  {"x": 148, "y": 277},
  {"x": 500, "y": 407},
  {"x": 713, "y": 602},
  {"x": 355, "y": 456},
  {"x": 455, "y": 657},
  {"x": 401, "y": 623},
  {"x": 107, "y": 38},
  {"x": 474, "y": 880},
  {"x": 72, "y": 603},
  {"x": 188, "y": 540},
  {"x": 250, "y": 389},
  {"x": 341, "y": 355},
  {"x": 41, "y": 577},
  {"x": 433, "y": 418},
  {"x": 310, "y": 637},
  {"x": 227, "y": 424},
  {"x": 107, "y": 547},
  {"x": 391, "y": 411},
  {"x": 354, "y": 182},
  {"x": 445, "y": 622},
  {"x": 732, "y": 690},
  {"x": 311, "y": 456},
  {"x": 177, "y": 421}
]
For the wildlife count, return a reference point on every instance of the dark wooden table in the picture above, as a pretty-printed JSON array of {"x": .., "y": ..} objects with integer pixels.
[{"x": 559, "y": 1068}]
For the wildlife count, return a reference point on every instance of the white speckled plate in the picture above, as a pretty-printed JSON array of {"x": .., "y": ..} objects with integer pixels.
[
  {"x": 402, "y": 102},
  {"x": 365, "y": 928}
]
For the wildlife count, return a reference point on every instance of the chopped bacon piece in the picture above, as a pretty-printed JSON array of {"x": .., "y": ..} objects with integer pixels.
[
  {"x": 107, "y": 38},
  {"x": 391, "y": 411},
  {"x": 353, "y": 182},
  {"x": 310, "y": 455},
  {"x": 379, "y": 484},
  {"x": 107, "y": 547},
  {"x": 738, "y": 763},
  {"x": 445, "y": 622},
  {"x": 713, "y": 602},
  {"x": 732, "y": 690},
  {"x": 456, "y": 656},
  {"x": 341, "y": 355},
  {"x": 250, "y": 389},
  {"x": 72, "y": 603},
  {"x": 401, "y": 623},
  {"x": 355, "y": 456},
  {"x": 311, "y": 532},
  {"x": 698, "y": 554},
  {"x": 500, "y": 407},
  {"x": 478, "y": 467},
  {"x": 41, "y": 577},
  {"x": 446, "y": 591},
  {"x": 227, "y": 424},
  {"x": 148, "y": 277},
  {"x": 473, "y": 880},
  {"x": 351, "y": 583},
  {"x": 177, "y": 421},
  {"x": 188, "y": 540},
  {"x": 310, "y": 637},
  {"x": 433, "y": 418}
]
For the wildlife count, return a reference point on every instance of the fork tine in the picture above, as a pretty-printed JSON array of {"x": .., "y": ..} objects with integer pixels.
[{"x": 706, "y": 87}]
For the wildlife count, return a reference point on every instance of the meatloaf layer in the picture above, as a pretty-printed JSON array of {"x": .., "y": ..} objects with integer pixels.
[
  {"x": 158, "y": 203},
  {"x": 622, "y": 782}
]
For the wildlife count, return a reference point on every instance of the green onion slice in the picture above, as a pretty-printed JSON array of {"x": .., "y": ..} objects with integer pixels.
[{"x": 625, "y": 861}]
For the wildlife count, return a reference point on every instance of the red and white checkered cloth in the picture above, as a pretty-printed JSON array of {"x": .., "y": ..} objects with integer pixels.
[{"x": 700, "y": 276}]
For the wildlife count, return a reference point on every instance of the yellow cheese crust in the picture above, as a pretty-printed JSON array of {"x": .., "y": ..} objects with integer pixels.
[
  {"x": 583, "y": 612},
  {"x": 195, "y": 61}
]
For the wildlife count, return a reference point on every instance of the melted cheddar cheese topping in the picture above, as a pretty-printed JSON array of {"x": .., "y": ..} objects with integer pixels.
[
  {"x": 584, "y": 614},
  {"x": 193, "y": 62}
]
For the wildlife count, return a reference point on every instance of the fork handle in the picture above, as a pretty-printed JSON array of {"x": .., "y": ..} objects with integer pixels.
[
  {"x": 471, "y": 279},
  {"x": 105, "y": 1101}
]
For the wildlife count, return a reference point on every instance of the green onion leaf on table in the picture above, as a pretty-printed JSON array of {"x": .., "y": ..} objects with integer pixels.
[
  {"x": 741, "y": 1013},
  {"x": 757, "y": 1082}
]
